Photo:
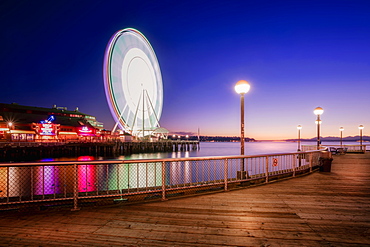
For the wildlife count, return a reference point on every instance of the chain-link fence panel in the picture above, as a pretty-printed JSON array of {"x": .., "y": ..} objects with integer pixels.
[{"x": 96, "y": 182}]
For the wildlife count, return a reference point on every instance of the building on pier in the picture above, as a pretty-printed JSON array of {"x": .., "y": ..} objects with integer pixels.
[{"x": 19, "y": 123}]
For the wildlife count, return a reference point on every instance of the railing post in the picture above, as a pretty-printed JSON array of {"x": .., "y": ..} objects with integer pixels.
[
  {"x": 226, "y": 173},
  {"x": 164, "y": 181},
  {"x": 310, "y": 160},
  {"x": 267, "y": 169},
  {"x": 293, "y": 164},
  {"x": 43, "y": 182},
  {"x": 75, "y": 189},
  {"x": 7, "y": 184}
]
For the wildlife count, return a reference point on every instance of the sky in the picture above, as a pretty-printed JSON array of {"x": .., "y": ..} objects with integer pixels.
[{"x": 296, "y": 55}]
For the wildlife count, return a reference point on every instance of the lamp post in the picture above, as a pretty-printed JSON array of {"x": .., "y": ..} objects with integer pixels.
[
  {"x": 361, "y": 127},
  {"x": 10, "y": 126},
  {"x": 341, "y": 136},
  {"x": 242, "y": 87},
  {"x": 299, "y": 127},
  {"x": 318, "y": 111}
]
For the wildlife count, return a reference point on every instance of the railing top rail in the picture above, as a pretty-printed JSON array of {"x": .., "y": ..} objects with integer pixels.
[
  {"x": 348, "y": 145},
  {"x": 52, "y": 163}
]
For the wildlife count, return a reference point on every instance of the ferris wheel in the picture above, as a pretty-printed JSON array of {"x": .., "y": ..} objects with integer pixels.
[{"x": 133, "y": 83}]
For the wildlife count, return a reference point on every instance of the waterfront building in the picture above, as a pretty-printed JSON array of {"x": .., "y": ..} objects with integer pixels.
[{"x": 19, "y": 123}]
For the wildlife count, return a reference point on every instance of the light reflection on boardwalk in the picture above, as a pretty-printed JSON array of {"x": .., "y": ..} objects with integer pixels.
[{"x": 321, "y": 209}]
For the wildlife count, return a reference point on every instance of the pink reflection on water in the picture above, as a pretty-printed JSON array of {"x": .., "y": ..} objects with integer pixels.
[
  {"x": 86, "y": 158},
  {"x": 86, "y": 175}
]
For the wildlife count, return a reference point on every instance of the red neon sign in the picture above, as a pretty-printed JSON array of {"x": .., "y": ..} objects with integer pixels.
[{"x": 86, "y": 131}]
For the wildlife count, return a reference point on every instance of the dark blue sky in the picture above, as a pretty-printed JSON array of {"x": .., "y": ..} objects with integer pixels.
[{"x": 297, "y": 55}]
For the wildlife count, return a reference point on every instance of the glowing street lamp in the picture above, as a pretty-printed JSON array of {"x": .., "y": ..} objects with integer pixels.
[
  {"x": 318, "y": 111},
  {"x": 299, "y": 127},
  {"x": 341, "y": 135},
  {"x": 361, "y": 127},
  {"x": 242, "y": 87},
  {"x": 10, "y": 127}
]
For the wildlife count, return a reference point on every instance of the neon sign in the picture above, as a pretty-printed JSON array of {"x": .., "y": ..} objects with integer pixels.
[
  {"x": 50, "y": 119},
  {"x": 84, "y": 130},
  {"x": 47, "y": 129}
]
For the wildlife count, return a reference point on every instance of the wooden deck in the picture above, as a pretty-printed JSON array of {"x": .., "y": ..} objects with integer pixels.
[{"x": 321, "y": 209}]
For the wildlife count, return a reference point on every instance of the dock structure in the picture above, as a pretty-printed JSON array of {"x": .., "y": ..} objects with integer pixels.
[
  {"x": 320, "y": 209},
  {"x": 38, "y": 150}
]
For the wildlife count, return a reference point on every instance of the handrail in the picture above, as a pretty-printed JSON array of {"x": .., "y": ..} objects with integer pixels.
[
  {"x": 82, "y": 180},
  {"x": 46, "y": 163},
  {"x": 350, "y": 147}
]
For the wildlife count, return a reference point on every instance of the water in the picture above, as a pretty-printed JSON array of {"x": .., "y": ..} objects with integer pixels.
[
  {"x": 226, "y": 149},
  {"x": 223, "y": 149}
]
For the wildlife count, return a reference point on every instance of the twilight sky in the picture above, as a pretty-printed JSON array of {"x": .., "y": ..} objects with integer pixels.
[{"x": 297, "y": 55}]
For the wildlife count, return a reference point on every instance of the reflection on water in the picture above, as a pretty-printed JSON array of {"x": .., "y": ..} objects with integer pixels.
[
  {"x": 208, "y": 149},
  {"x": 3, "y": 181},
  {"x": 46, "y": 180}
]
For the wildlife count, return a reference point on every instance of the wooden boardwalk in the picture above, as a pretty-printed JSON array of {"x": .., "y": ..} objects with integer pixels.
[{"x": 321, "y": 209}]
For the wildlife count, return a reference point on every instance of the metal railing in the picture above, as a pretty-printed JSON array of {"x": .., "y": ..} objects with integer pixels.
[
  {"x": 22, "y": 183},
  {"x": 351, "y": 148}
]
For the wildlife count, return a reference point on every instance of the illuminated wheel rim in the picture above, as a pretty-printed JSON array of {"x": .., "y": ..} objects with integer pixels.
[{"x": 133, "y": 82}]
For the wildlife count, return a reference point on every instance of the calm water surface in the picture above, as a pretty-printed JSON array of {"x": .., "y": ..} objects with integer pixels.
[{"x": 230, "y": 149}]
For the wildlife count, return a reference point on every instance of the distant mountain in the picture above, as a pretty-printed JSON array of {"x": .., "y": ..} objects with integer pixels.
[
  {"x": 211, "y": 138},
  {"x": 224, "y": 139},
  {"x": 247, "y": 139}
]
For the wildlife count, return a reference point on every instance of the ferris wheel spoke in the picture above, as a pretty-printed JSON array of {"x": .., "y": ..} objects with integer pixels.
[
  {"x": 136, "y": 111},
  {"x": 150, "y": 106},
  {"x": 119, "y": 119}
]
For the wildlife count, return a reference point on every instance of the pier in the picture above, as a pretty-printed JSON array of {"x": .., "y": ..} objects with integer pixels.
[
  {"x": 38, "y": 150},
  {"x": 319, "y": 209}
]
